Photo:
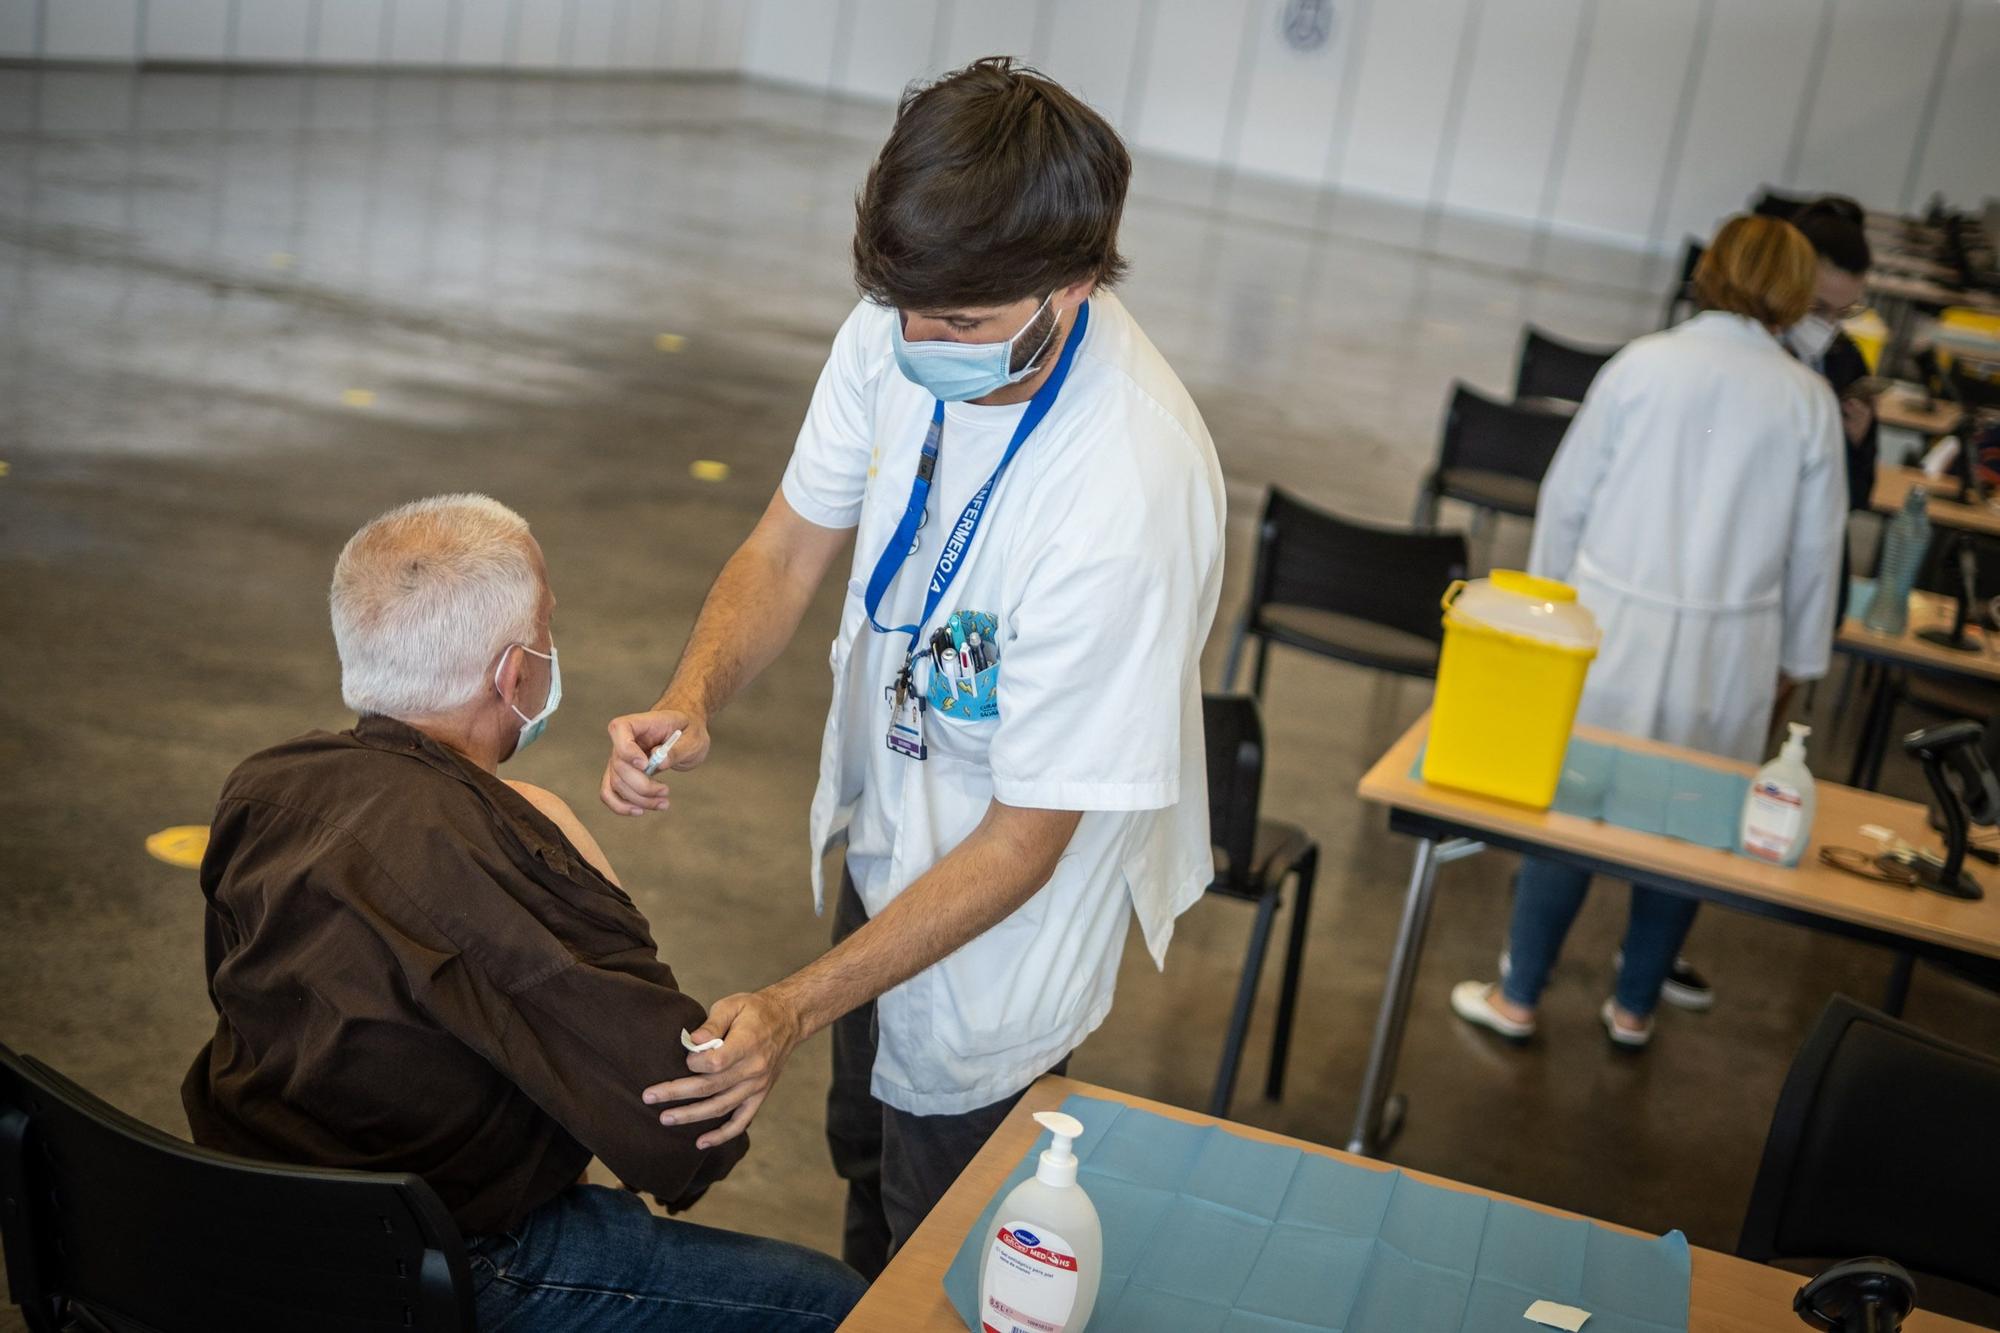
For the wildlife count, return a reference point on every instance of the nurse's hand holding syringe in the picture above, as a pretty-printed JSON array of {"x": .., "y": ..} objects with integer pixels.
[{"x": 645, "y": 746}]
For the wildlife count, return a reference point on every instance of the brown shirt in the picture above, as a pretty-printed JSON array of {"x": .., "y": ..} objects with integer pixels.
[{"x": 413, "y": 970}]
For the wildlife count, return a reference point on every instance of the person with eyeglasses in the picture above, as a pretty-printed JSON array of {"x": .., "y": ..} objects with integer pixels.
[{"x": 1834, "y": 225}]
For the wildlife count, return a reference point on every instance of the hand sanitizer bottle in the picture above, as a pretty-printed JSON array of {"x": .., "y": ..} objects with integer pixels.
[
  {"x": 1041, "y": 1268},
  {"x": 1778, "y": 813}
]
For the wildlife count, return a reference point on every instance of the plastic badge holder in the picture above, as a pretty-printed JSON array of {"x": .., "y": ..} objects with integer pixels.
[{"x": 1208, "y": 1230}]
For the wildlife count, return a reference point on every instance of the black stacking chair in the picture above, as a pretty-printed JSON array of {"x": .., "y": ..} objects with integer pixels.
[
  {"x": 1681, "y": 294},
  {"x": 1882, "y": 1143},
  {"x": 111, "y": 1225},
  {"x": 1551, "y": 368},
  {"x": 1772, "y": 203},
  {"x": 1492, "y": 456},
  {"x": 1345, "y": 590},
  {"x": 1253, "y": 859}
]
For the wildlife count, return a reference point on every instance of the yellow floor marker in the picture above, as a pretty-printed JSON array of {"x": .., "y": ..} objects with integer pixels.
[
  {"x": 181, "y": 845},
  {"x": 707, "y": 469},
  {"x": 3, "y": 469},
  {"x": 669, "y": 342},
  {"x": 279, "y": 259},
  {"x": 358, "y": 397}
]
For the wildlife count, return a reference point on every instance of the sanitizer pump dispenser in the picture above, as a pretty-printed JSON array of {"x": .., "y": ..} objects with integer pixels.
[{"x": 1045, "y": 1254}]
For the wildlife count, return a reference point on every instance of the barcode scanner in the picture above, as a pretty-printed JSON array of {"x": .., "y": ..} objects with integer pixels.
[
  {"x": 1966, "y": 789},
  {"x": 1870, "y": 1295}
]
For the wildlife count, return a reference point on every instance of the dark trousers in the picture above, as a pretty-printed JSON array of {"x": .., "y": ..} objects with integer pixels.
[{"x": 896, "y": 1165}]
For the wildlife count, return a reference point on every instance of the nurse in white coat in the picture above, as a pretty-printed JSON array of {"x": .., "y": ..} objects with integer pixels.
[{"x": 1698, "y": 505}]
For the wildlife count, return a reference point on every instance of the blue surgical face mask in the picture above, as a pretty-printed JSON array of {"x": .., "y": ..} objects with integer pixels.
[
  {"x": 532, "y": 727},
  {"x": 957, "y": 371}
]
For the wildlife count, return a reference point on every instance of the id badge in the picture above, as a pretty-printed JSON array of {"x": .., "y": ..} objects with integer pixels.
[{"x": 906, "y": 720}]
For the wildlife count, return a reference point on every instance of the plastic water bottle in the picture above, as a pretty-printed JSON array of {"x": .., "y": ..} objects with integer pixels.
[{"x": 1903, "y": 549}]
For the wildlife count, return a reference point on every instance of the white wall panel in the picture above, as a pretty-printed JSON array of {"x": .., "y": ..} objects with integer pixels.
[
  {"x": 350, "y": 32},
  {"x": 889, "y": 44},
  {"x": 1625, "y": 114},
  {"x": 1399, "y": 108},
  {"x": 186, "y": 29},
  {"x": 593, "y": 25},
  {"x": 483, "y": 28},
  {"x": 273, "y": 30},
  {"x": 636, "y": 42},
  {"x": 1507, "y": 133},
  {"x": 1740, "y": 127},
  {"x": 722, "y": 34},
  {"x": 679, "y": 45},
  {"x": 1962, "y": 157},
  {"x": 17, "y": 27},
  {"x": 792, "y": 41},
  {"x": 1090, "y": 51},
  {"x": 1288, "y": 112},
  {"x": 419, "y": 31},
  {"x": 91, "y": 29},
  {"x": 1863, "y": 122},
  {"x": 541, "y": 28},
  {"x": 975, "y": 28},
  {"x": 1184, "y": 109}
]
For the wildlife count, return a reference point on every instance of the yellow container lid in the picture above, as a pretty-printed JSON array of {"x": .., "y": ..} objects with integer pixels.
[{"x": 1513, "y": 602}]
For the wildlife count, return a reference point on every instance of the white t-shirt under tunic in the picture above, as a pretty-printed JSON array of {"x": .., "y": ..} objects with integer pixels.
[{"x": 1099, "y": 559}]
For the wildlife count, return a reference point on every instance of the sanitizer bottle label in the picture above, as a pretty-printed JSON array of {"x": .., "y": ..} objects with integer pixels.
[
  {"x": 1030, "y": 1281},
  {"x": 1775, "y": 815}
]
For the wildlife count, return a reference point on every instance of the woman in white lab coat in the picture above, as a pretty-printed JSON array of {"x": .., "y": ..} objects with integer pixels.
[{"x": 1698, "y": 504}]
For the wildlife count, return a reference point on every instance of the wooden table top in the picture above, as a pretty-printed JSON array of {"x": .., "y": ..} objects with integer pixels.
[
  {"x": 1728, "y": 1295},
  {"x": 1916, "y": 914},
  {"x": 1928, "y": 610},
  {"x": 1902, "y": 407},
  {"x": 1928, "y": 292},
  {"x": 1893, "y": 483}
]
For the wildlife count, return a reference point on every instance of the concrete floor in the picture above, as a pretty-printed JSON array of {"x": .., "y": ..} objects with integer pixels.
[{"x": 203, "y": 277}]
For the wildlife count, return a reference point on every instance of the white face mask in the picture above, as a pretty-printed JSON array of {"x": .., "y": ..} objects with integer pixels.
[
  {"x": 532, "y": 727},
  {"x": 1810, "y": 337}
]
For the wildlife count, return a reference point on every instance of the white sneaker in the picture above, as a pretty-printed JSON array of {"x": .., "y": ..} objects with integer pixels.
[
  {"x": 1631, "y": 1039},
  {"x": 1473, "y": 1002}
]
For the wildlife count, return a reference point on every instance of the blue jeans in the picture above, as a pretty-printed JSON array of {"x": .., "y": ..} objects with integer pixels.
[
  {"x": 599, "y": 1259},
  {"x": 1547, "y": 896}
]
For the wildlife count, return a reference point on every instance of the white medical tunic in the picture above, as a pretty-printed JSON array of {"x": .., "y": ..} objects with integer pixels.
[
  {"x": 1099, "y": 560},
  {"x": 1698, "y": 503}
]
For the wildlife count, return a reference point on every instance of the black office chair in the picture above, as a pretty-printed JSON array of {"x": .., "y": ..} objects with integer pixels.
[
  {"x": 1882, "y": 1143},
  {"x": 1680, "y": 297},
  {"x": 110, "y": 1224},
  {"x": 1348, "y": 591},
  {"x": 1551, "y": 368},
  {"x": 1492, "y": 456},
  {"x": 1253, "y": 859}
]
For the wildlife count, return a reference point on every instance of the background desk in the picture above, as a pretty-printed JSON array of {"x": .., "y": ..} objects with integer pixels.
[
  {"x": 1893, "y": 483},
  {"x": 1911, "y": 921},
  {"x": 1906, "y": 651},
  {"x": 1728, "y": 1295},
  {"x": 1904, "y": 409}
]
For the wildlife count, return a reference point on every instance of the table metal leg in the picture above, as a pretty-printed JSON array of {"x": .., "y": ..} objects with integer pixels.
[
  {"x": 1897, "y": 993},
  {"x": 1874, "y": 735},
  {"x": 1368, "y": 1135}
]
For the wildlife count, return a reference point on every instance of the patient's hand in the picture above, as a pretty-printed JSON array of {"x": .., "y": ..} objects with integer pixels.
[{"x": 565, "y": 819}]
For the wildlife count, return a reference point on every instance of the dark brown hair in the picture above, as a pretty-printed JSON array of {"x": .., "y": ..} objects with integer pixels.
[
  {"x": 1837, "y": 228},
  {"x": 1758, "y": 266},
  {"x": 996, "y": 184}
]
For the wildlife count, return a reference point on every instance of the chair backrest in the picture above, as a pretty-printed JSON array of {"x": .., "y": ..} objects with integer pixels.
[
  {"x": 1682, "y": 292},
  {"x": 1551, "y": 368},
  {"x": 1308, "y": 557},
  {"x": 142, "y": 1230},
  {"x": 1882, "y": 1143},
  {"x": 1512, "y": 439},
  {"x": 1234, "y": 732}
]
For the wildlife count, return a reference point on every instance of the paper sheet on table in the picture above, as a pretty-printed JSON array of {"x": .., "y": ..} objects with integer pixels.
[
  {"x": 1648, "y": 793},
  {"x": 1205, "y": 1230}
]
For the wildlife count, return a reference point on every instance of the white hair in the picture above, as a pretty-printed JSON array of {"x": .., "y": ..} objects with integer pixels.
[{"x": 425, "y": 597}]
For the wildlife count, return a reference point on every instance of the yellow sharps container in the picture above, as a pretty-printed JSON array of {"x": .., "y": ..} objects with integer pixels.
[{"x": 1516, "y": 649}]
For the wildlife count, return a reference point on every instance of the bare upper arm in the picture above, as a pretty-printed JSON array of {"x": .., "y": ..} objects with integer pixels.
[
  {"x": 802, "y": 549},
  {"x": 564, "y": 818}
]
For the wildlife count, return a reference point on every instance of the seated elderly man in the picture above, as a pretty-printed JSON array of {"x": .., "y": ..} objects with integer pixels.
[{"x": 417, "y": 966}]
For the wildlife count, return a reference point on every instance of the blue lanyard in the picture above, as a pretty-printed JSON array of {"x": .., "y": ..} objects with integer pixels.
[{"x": 959, "y": 540}]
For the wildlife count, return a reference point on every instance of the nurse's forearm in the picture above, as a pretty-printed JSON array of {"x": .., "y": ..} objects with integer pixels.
[
  {"x": 1002, "y": 864},
  {"x": 753, "y": 609}
]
